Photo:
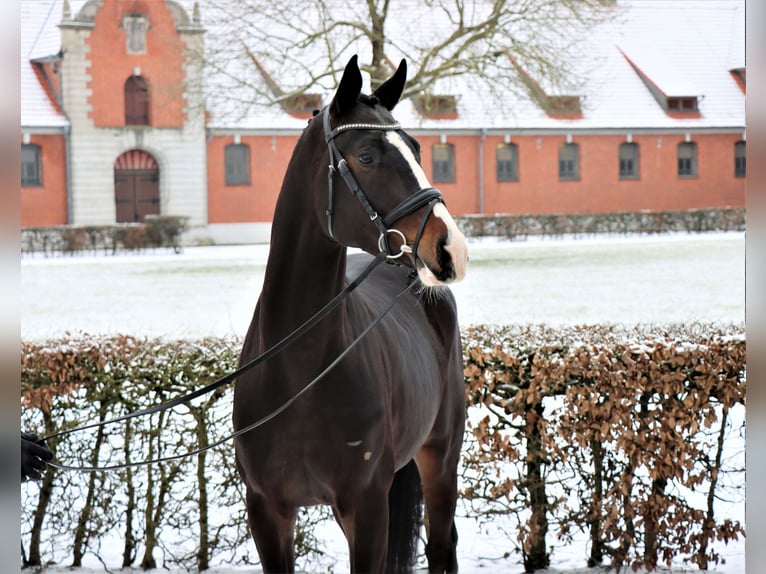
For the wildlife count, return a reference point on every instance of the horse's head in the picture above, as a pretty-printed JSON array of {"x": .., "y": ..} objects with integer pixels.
[{"x": 379, "y": 197}]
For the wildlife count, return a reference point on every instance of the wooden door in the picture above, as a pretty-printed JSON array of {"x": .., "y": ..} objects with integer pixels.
[{"x": 136, "y": 194}]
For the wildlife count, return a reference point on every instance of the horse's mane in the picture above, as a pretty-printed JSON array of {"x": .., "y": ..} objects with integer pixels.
[{"x": 371, "y": 101}]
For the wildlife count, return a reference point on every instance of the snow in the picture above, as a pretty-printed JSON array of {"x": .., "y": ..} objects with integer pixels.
[
  {"x": 686, "y": 47},
  {"x": 212, "y": 291}
]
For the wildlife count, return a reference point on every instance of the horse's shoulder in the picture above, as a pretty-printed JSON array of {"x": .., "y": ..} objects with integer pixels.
[
  {"x": 436, "y": 305},
  {"x": 385, "y": 280}
]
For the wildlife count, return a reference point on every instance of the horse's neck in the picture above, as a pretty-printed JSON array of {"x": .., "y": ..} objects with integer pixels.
[{"x": 305, "y": 269}]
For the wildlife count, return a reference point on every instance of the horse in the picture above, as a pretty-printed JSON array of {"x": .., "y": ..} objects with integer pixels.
[{"x": 382, "y": 431}]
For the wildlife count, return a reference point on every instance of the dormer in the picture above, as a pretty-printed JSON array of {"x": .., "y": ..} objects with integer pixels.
[
  {"x": 563, "y": 106},
  {"x": 559, "y": 106},
  {"x": 677, "y": 97},
  {"x": 736, "y": 60},
  {"x": 435, "y": 106},
  {"x": 740, "y": 76},
  {"x": 48, "y": 73},
  {"x": 299, "y": 105}
]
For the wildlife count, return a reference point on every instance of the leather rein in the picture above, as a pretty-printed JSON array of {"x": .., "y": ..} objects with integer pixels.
[{"x": 424, "y": 197}]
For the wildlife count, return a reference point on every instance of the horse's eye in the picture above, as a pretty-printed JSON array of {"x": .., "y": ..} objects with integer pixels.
[{"x": 365, "y": 159}]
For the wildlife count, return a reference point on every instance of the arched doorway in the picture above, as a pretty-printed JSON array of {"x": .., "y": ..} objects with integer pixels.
[{"x": 136, "y": 186}]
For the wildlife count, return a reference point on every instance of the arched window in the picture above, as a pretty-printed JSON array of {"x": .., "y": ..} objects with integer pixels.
[
  {"x": 687, "y": 159},
  {"x": 443, "y": 163},
  {"x": 628, "y": 160},
  {"x": 237, "y": 162},
  {"x": 136, "y": 101},
  {"x": 569, "y": 161},
  {"x": 740, "y": 156},
  {"x": 30, "y": 166},
  {"x": 507, "y": 162}
]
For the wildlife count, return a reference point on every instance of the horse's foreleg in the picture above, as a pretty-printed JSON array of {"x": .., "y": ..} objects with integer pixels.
[
  {"x": 438, "y": 473},
  {"x": 364, "y": 519},
  {"x": 273, "y": 532}
]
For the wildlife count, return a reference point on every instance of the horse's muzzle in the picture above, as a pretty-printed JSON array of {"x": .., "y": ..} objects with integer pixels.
[{"x": 451, "y": 257}]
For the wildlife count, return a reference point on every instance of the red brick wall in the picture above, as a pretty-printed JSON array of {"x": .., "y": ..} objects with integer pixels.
[
  {"x": 47, "y": 204},
  {"x": 461, "y": 196},
  {"x": 599, "y": 188},
  {"x": 111, "y": 65},
  {"x": 269, "y": 156}
]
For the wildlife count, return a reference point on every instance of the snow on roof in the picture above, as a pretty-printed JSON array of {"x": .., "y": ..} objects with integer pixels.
[
  {"x": 39, "y": 39},
  {"x": 39, "y": 35},
  {"x": 737, "y": 46},
  {"x": 684, "y": 47}
]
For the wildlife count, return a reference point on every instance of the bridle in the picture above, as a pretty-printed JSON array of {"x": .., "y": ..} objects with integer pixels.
[{"x": 427, "y": 196}]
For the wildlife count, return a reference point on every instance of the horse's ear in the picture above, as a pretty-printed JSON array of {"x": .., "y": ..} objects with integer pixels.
[
  {"x": 349, "y": 88},
  {"x": 389, "y": 92}
]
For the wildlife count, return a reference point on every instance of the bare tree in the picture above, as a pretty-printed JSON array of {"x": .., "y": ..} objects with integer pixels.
[{"x": 261, "y": 52}]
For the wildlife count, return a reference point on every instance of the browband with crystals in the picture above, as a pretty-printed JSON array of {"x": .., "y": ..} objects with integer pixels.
[{"x": 360, "y": 126}]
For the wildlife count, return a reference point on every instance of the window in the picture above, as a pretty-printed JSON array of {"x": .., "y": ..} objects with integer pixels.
[
  {"x": 444, "y": 163},
  {"x": 739, "y": 159},
  {"x": 507, "y": 162},
  {"x": 237, "y": 160},
  {"x": 30, "y": 165},
  {"x": 136, "y": 101},
  {"x": 135, "y": 26},
  {"x": 569, "y": 161},
  {"x": 628, "y": 161},
  {"x": 687, "y": 159},
  {"x": 686, "y": 105}
]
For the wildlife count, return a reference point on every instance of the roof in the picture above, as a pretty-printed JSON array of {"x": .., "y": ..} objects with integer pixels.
[
  {"x": 686, "y": 47},
  {"x": 39, "y": 39},
  {"x": 683, "y": 47}
]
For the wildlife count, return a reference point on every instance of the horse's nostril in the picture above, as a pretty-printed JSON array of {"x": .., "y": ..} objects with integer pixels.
[
  {"x": 441, "y": 245},
  {"x": 444, "y": 258}
]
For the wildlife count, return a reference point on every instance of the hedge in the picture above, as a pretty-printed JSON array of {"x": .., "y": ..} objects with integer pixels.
[
  {"x": 166, "y": 231},
  {"x": 163, "y": 231},
  {"x": 625, "y": 434},
  {"x": 610, "y": 432},
  {"x": 521, "y": 226}
]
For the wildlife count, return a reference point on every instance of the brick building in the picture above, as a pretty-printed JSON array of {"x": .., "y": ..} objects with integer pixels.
[{"x": 115, "y": 125}]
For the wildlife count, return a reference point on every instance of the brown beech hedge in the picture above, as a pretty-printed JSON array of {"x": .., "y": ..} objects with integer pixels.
[
  {"x": 628, "y": 437},
  {"x": 620, "y": 433}
]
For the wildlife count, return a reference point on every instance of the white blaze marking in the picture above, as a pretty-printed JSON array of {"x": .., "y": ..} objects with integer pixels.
[
  {"x": 456, "y": 245},
  {"x": 396, "y": 140}
]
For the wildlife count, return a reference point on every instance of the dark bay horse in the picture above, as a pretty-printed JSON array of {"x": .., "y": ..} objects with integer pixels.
[{"x": 383, "y": 429}]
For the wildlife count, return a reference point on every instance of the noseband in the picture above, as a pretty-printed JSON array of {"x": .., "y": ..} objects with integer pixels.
[{"x": 427, "y": 196}]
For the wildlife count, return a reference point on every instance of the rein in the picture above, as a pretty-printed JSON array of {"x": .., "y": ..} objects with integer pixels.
[
  {"x": 423, "y": 197},
  {"x": 260, "y": 421},
  {"x": 269, "y": 353}
]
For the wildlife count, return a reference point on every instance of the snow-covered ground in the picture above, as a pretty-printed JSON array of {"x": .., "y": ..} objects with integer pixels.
[{"x": 212, "y": 291}]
